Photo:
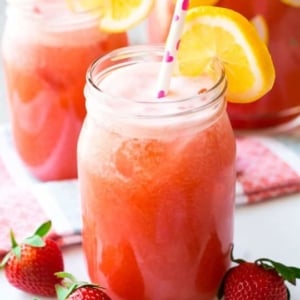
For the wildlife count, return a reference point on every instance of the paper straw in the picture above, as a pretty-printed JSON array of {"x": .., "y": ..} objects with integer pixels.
[{"x": 171, "y": 48}]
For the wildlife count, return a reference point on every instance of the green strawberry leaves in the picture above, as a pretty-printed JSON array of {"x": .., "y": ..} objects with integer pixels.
[
  {"x": 70, "y": 284},
  {"x": 62, "y": 292},
  {"x": 288, "y": 273},
  {"x": 15, "y": 248},
  {"x": 35, "y": 240}
]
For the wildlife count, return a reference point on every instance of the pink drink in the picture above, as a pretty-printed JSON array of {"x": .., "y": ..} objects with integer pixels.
[
  {"x": 46, "y": 51},
  {"x": 156, "y": 180}
]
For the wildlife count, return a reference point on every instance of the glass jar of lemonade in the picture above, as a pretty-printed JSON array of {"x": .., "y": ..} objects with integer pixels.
[
  {"x": 278, "y": 21},
  {"x": 46, "y": 51},
  {"x": 156, "y": 178}
]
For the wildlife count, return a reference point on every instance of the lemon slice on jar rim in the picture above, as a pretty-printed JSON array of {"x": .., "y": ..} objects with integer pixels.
[
  {"x": 215, "y": 33},
  {"x": 115, "y": 15}
]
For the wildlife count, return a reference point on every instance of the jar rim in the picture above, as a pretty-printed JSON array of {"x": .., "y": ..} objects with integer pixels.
[{"x": 92, "y": 89}]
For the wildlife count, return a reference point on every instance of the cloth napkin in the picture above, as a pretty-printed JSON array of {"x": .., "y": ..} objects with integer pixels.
[{"x": 268, "y": 166}]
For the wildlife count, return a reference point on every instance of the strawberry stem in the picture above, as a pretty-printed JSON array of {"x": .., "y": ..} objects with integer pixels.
[
  {"x": 66, "y": 275},
  {"x": 235, "y": 260}
]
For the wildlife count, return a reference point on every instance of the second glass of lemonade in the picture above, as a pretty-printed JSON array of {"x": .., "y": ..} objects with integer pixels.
[
  {"x": 46, "y": 51},
  {"x": 157, "y": 179}
]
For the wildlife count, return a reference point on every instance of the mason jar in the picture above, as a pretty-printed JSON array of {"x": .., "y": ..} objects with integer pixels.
[
  {"x": 279, "y": 25},
  {"x": 157, "y": 179},
  {"x": 46, "y": 51}
]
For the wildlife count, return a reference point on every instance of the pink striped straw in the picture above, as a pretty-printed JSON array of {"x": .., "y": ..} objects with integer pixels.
[{"x": 171, "y": 48}]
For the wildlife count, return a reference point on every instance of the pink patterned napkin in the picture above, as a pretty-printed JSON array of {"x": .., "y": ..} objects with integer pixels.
[
  {"x": 25, "y": 202},
  {"x": 268, "y": 166}
]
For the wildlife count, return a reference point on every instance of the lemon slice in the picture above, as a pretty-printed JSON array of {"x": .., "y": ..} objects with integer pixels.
[
  {"x": 195, "y": 3},
  {"x": 215, "y": 33},
  {"x": 115, "y": 15},
  {"x": 261, "y": 27},
  {"x": 295, "y": 3}
]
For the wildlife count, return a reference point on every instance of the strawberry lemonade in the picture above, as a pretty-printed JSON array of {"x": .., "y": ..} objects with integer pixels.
[
  {"x": 46, "y": 51},
  {"x": 156, "y": 161},
  {"x": 156, "y": 179}
]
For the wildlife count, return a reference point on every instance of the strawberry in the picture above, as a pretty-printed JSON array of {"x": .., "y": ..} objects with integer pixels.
[
  {"x": 263, "y": 279},
  {"x": 31, "y": 266},
  {"x": 78, "y": 290}
]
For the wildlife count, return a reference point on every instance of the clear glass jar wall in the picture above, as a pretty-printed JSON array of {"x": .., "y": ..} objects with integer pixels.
[{"x": 156, "y": 179}]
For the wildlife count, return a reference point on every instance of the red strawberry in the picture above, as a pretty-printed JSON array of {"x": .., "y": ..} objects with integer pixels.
[
  {"x": 31, "y": 266},
  {"x": 77, "y": 290},
  {"x": 263, "y": 279}
]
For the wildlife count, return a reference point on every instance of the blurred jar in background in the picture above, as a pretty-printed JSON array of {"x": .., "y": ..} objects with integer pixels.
[
  {"x": 46, "y": 51},
  {"x": 160, "y": 18},
  {"x": 278, "y": 22}
]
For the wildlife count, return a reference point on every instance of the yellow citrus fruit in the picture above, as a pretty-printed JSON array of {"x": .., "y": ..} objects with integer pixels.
[
  {"x": 115, "y": 15},
  {"x": 295, "y": 3},
  {"x": 261, "y": 27},
  {"x": 214, "y": 33},
  {"x": 195, "y": 3}
]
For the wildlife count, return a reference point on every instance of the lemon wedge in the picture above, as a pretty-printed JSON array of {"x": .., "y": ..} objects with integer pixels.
[
  {"x": 115, "y": 15},
  {"x": 195, "y": 3},
  {"x": 215, "y": 33}
]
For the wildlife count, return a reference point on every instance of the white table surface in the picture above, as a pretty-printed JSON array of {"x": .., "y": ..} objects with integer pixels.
[{"x": 270, "y": 229}]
